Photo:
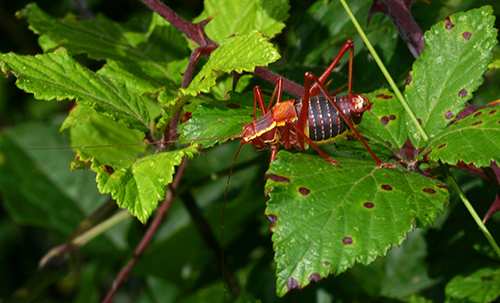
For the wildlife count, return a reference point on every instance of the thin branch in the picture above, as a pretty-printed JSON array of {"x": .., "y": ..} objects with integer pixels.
[
  {"x": 160, "y": 215},
  {"x": 196, "y": 32}
]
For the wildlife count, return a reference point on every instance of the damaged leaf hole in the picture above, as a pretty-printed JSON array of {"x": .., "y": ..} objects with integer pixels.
[
  {"x": 386, "y": 187},
  {"x": 429, "y": 190},
  {"x": 273, "y": 219},
  {"x": 384, "y": 120},
  {"x": 292, "y": 283},
  {"x": 110, "y": 170},
  {"x": 463, "y": 93},
  {"x": 347, "y": 240},
  {"x": 442, "y": 187},
  {"x": 383, "y": 96},
  {"x": 368, "y": 205},
  {"x": 449, "y": 25},
  {"x": 314, "y": 277},
  {"x": 276, "y": 178},
  {"x": 449, "y": 115},
  {"x": 304, "y": 191},
  {"x": 408, "y": 80}
]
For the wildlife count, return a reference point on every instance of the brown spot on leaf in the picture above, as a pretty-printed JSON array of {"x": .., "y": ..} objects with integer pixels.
[
  {"x": 441, "y": 146},
  {"x": 448, "y": 115},
  {"x": 110, "y": 170},
  {"x": 448, "y": 25},
  {"x": 392, "y": 117},
  {"x": 273, "y": 219},
  {"x": 386, "y": 187},
  {"x": 384, "y": 96},
  {"x": 368, "y": 205},
  {"x": 492, "y": 112},
  {"x": 276, "y": 178},
  {"x": 476, "y": 123},
  {"x": 233, "y": 105},
  {"x": 463, "y": 93},
  {"x": 304, "y": 191},
  {"x": 466, "y": 35},
  {"x": 408, "y": 80},
  {"x": 478, "y": 114},
  {"x": 327, "y": 263},
  {"x": 388, "y": 144},
  {"x": 314, "y": 277},
  {"x": 419, "y": 121},
  {"x": 384, "y": 120},
  {"x": 429, "y": 190},
  {"x": 347, "y": 241},
  {"x": 291, "y": 283}
]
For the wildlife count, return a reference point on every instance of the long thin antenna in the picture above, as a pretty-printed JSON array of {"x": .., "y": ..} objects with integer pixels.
[
  {"x": 136, "y": 144},
  {"x": 223, "y": 215}
]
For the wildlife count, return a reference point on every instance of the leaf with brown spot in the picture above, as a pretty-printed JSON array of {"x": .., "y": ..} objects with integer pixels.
[
  {"x": 476, "y": 139},
  {"x": 333, "y": 227},
  {"x": 449, "y": 69},
  {"x": 384, "y": 123}
]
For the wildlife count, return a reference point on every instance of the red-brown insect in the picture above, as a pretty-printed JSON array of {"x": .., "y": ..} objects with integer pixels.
[{"x": 317, "y": 118}]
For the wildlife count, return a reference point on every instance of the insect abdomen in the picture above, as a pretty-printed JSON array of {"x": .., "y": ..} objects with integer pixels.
[{"x": 325, "y": 123}]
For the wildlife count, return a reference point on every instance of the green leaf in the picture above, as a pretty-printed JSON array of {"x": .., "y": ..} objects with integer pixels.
[
  {"x": 325, "y": 218},
  {"x": 236, "y": 53},
  {"x": 220, "y": 119},
  {"x": 35, "y": 187},
  {"x": 139, "y": 185},
  {"x": 385, "y": 123},
  {"x": 145, "y": 60},
  {"x": 474, "y": 139},
  {"x": 264, "y": 16},
  {"x": 481, "y": 286},
  {"x": 112, "y": 141},
  {"x": 457, "y": 52},
  {"x": 58, "y": 76}
]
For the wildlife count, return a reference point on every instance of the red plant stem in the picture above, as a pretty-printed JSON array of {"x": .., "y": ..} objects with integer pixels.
[
  {"x": 399, "y": 13},
  {"x": 196, "y": 32},
  {"x": 161, "y": 212}
]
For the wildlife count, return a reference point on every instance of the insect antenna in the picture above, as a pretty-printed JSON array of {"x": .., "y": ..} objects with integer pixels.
[
  {"x": 223, "y": 215},
  {"x": 136, "y": 144}
]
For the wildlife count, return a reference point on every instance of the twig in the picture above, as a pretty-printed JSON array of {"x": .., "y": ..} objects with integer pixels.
[
  {"x": 161, "y": 212},
  {"x": 196, "y": 32}
]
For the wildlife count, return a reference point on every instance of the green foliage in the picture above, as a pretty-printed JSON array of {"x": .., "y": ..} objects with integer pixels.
[
  {"x": 438, "y": 89},
  {"x": 58, "y": 76},
  {"x": 324, "y": 219},
  {"x": 266, "y": 16},
  {"x": 236, "y": 53},
  {"x": 327, "y": 217},
  {"x": 481, "y": 286},
  {"x": 478, "y": 131}
]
